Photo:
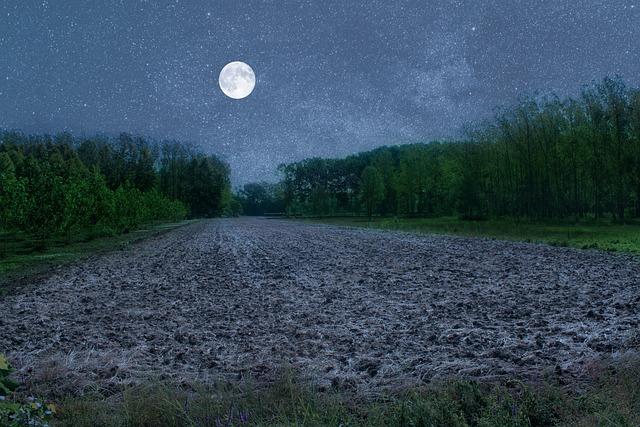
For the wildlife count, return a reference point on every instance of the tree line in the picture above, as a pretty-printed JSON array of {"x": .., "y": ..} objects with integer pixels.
[
  {"x": 546, "y": 157},
  {"x": 52, "y": 185}
]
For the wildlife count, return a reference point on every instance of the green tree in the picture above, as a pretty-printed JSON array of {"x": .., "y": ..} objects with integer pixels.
[
  {"x": 55, "y": 186},
  {"x": 259, "y": 198},
  {"x": 372, "y": 189},
  {"x": 13, "y": 196}
]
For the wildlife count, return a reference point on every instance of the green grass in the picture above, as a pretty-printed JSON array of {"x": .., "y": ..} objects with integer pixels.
[
  {"x": 23, "y": 257},
  {"x": 585, "y": 235},
  {"x": 613, "y": 399}
]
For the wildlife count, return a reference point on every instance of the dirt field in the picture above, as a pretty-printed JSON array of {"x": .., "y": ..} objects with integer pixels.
[{"x": 356, "y": 309}]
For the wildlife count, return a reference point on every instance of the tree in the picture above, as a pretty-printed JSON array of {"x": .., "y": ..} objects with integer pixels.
[
  {"x": 51, "y": 186},
  {"x": 542, "y": 158},
  {"x": 259, "y": 198},
  {"x": 13, "y": 196},
  {"x": 371, "y": 190},
  {"x": 470, "y": 202},
  {"x": 634, "y": 124}
]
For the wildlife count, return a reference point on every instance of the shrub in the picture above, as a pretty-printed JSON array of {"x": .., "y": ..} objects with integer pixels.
[{"x": 13, "y": 413}]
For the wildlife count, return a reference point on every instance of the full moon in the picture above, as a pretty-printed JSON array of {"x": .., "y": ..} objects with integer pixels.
[{"x": 237, "y": 80}]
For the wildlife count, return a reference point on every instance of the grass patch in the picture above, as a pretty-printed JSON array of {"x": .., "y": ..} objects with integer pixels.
[
  {"x": 584, "y": 235},
  {"x": 23, "y": 257},
  {"x": 612, "y": 400}
]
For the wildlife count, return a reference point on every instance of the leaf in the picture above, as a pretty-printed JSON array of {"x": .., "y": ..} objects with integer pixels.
[
  {"x": 4, "y": 363},
  {"x": 7, "y": 385},
  {"x": 8, "y": 407}
]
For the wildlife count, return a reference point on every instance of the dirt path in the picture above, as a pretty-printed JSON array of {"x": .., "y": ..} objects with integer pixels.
[{"x": 354, "y": 308}]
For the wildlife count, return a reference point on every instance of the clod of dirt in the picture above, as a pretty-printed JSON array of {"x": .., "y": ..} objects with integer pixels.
[{"x": 359, "y": 309}]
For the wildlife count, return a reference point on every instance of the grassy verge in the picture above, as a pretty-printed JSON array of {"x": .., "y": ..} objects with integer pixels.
[
  {"x": 612, "y": 400},
  {"x": 584, "y": 235},
  {"x": 22, "y": 257}
]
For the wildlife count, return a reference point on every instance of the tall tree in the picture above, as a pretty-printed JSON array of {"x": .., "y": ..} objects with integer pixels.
[{"x": 372, "y": 189}]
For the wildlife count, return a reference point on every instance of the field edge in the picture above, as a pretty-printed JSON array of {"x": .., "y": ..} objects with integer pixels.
[{"x": 18, "y": 271}]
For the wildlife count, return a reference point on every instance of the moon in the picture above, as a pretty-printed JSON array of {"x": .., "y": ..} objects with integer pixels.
[{"x": 237, "y": 80}]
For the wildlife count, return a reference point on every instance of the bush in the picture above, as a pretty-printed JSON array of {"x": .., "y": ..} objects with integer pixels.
[{"x": 13, "y": 413}]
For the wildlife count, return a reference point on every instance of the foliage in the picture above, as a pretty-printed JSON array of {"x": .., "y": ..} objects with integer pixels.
[
  {"x": 543, "y": 158},
  {"x": 261, "y": 198},
  {"x": 14, "y": 413},
  {"x": 59, "y": 185},
  {"x": 7, "y": 386},
  {"x": 200, "y": 182},
  {"x": 372, "y": 191},
  {"x": 234, "y": 207}
]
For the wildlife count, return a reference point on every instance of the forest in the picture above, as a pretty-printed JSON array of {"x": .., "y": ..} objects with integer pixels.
[
  {"x": 58, "y": 185},
  {"x": 543, "y": 158},
  {"x": 546, "y": 157}
]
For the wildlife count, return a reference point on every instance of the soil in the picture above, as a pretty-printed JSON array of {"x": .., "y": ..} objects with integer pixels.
[{"x": 356, "y": 309}]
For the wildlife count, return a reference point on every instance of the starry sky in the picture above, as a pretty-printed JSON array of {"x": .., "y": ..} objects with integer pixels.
[{"x": 333, "y": 76}]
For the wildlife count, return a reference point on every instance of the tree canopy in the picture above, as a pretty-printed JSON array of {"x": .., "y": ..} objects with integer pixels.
[
  {"x": 57, "y": 184},
  {"x": 543, "y": 158}
]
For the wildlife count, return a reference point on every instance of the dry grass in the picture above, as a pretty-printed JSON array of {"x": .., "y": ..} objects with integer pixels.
[{"x": 611, "y": 399}]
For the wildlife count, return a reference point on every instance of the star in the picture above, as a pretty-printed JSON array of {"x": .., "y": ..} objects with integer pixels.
[{"x": 333, "y": 79}]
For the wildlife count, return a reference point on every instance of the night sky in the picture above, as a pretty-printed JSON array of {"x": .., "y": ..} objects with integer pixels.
[{"x": 333, "y": 76}]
